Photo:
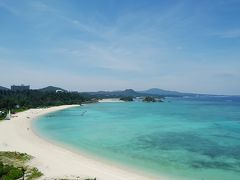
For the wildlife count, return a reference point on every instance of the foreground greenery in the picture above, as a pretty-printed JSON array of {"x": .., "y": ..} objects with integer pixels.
[
  {"x": 13, "y": 165},
  {"x": 18, "y": 101},
  {"x": 10, "y": 172}
]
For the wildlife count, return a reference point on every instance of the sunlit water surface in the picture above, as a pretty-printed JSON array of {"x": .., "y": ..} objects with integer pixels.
[{"x": 190, "y": 138}]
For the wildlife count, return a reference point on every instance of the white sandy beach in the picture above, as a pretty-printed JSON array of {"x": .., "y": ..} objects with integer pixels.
[
  {"x": 55, "y": 161},
  {"x": 111, "y": 100}
]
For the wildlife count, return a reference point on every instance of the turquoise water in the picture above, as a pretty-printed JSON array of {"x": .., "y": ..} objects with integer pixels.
[{"x": 187, "y": 138}]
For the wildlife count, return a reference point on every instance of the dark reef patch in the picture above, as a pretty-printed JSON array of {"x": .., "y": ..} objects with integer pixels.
[
  {"x": 216, "y": 165},
  {"x": 188, "y": 141}
]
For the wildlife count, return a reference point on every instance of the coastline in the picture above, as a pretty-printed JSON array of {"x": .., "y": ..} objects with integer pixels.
[
  {"x": 110, "y": 100},
  {"x": 53, "y": 160}
]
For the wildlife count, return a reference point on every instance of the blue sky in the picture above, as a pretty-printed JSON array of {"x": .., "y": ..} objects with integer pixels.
[{"x": 88, "y": 45}]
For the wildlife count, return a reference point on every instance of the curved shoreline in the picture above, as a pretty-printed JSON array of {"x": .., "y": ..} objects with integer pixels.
[{"x": 53, "y": 160}]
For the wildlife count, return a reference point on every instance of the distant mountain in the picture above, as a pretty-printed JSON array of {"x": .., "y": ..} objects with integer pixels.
[
  {"x": 124, "y": 93},
  {"x": 157, "y": 91},
  {"x": 51, "y": 89},
  {"x": 127, "y": 92},
  {"x": 3, "y": 88}
]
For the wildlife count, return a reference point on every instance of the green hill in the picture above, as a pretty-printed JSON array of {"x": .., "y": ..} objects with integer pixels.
[{"x": 52, "y": 89}]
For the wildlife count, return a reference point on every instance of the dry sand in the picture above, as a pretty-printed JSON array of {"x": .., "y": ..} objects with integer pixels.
[{"x": 111, "y": 100}]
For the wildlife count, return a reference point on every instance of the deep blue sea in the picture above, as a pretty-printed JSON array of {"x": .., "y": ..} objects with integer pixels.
[{"x": 189, "y": 138}]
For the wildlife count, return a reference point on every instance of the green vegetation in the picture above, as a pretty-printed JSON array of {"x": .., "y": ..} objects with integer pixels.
[
  {"x": 33, "y": 173},
  {"x": 128, "y": 98},
  {"x": 14, "y": 157},
  {"x": 2, "y": 115},
  {"x": 149, "y": 99},
  {"x": 18, "y": 101},
  {"x": 13, "y": 166},
  {"x": 9, "y": 172}
]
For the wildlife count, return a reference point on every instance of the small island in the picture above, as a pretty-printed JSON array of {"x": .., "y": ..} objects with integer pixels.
[
  {"x": 152, "y": 99},
  {"x": 128, "y": 98},
  {"x": 149, "y": 99}
]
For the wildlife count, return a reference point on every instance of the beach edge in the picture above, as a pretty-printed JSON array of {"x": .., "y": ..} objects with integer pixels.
[{"x": 53, "y": 160}]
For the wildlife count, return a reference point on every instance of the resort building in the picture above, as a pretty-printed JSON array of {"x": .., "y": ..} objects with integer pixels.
[{"x": 20, "y": 88}]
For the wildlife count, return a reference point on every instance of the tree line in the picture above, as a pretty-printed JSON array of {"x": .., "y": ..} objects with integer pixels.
[{"x": 21, "y": 100}]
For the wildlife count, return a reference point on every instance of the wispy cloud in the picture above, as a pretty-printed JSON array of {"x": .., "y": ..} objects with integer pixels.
[
  {"x": 112, "y": 48},
  {"x": 232, "y": 33},
  {"x": 40, "y": 6},
  {"x": 161, "y": 44}
]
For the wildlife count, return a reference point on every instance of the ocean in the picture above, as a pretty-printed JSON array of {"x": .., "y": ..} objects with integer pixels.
[{"x": 186, "y": 138}]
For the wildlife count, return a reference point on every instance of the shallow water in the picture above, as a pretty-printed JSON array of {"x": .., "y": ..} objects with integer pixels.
[{"x": 190, "y": 138}]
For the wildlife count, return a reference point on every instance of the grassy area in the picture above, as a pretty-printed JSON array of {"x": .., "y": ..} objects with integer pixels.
[
  {"x": 9, "y": 172},
  {"x": 13, "y": 165},
  {"x": 33, "y": 173},
  {"x": 12, "y": 158}
]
